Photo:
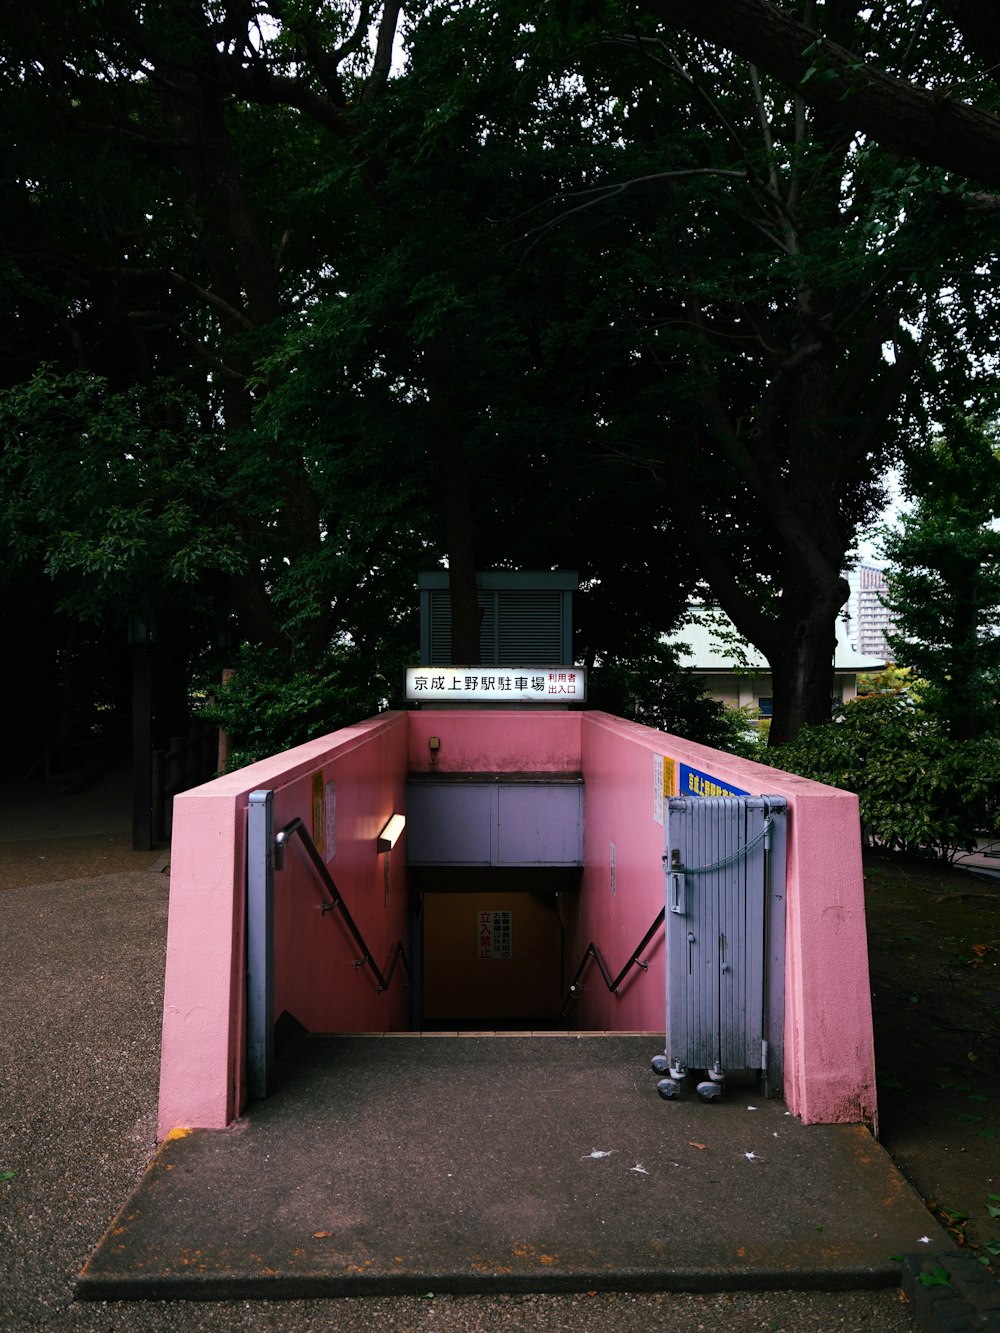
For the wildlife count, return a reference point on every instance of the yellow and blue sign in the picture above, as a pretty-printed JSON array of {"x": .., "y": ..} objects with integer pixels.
[{"x": 695, "y": 783}]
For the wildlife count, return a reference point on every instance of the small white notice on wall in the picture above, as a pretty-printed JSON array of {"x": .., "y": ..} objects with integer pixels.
[{"x": 493, "y": 934}]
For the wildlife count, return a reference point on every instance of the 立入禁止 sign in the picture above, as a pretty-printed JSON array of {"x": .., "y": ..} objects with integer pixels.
[{"x": 493, "y": 934}]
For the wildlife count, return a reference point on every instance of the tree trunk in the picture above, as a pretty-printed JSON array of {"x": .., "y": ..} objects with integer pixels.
[
  {"x": 244, "y": 274},
  {"x": 444, "y": 378},
  {"x": 801, "y": 661},
  {"x": 960, "y": 702},
  {"x": 465, "y": 611}
]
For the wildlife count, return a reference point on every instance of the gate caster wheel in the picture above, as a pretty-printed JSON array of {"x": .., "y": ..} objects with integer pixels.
[
  {"x": 710, "y": 1092},
  {"x": 660, "y": 1064},
  {"x": 668, "y": 1089}
]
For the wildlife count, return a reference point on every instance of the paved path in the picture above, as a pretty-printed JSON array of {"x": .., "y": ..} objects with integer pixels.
[{"x": 49, "y": 834}]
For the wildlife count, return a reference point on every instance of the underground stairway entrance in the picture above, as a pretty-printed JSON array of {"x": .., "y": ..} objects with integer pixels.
[{"x": 390, "y": 1162}]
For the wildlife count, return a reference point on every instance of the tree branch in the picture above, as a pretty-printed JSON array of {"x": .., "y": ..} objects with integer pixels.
[
  {"x": 893, "y": 389},
  {"x": 152, "y": 318},
  {"x": 927, "y": 124},
  {"x": 213, "y": 299},
  {"x": 382, "y": 63},
  {"x": 600, "y": 193}
]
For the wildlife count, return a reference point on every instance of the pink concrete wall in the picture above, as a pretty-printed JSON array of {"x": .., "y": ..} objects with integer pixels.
[
  {"x": 203, "y": 1013},
  {"x": 315, "y": 977},
  {"x": 618, "y": 808},
  {"x": 476, "y": 741},
  {"x": 202, "y": 1078},
  {"x": 828, "y": 1048}
]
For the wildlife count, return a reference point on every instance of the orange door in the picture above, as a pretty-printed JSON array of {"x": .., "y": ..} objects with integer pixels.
[{"x": 491, "y": 958}]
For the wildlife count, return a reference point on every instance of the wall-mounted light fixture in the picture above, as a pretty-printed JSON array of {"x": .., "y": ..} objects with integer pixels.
[
  {"x": 389, "y": 836},
  {"x": 385, "y": 842}
]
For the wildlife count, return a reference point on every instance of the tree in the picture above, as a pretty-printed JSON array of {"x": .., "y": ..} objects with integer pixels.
[
  {"x": 246, "y": 252},
  {"x": 497, "y": 363},
  {"x": 944, "y": 577},
  {"x": 181, "y": 182},
  {"x": 797, "y": 322},
  {"x": 512, "y": 302}
]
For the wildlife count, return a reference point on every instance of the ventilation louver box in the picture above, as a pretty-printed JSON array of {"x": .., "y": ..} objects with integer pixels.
[{"x": 526, "y": 618}]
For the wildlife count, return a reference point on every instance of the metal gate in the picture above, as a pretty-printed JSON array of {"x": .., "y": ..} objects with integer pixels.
[{"x": 725, "y": 943}]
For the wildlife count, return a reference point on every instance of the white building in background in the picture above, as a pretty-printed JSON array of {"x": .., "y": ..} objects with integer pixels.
[
  {"x": 738, "y": 675},
  {"x": 869, "y": 619}
]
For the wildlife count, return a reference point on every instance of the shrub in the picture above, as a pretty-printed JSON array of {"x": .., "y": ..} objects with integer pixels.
[
  {"x": 268, "y": 706},
  {"x": 919, "y": 791}
]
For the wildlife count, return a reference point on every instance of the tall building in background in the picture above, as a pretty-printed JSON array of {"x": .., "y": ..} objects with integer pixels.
[{"x": 869, "y": 619}]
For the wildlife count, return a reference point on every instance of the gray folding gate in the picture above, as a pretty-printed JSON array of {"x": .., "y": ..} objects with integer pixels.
[{"x": 725, "y": 942}]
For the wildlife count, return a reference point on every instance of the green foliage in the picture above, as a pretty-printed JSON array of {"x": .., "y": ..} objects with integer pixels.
[
  {"x": 919, "y": 791},
  {"x": 268, "y": 706},
  {"x": 944, "y": 579},
  {"x": 937, "y": 1277},
  {"x": 636, "y": 294},
  {"x": 892, "y": 679},
  {"x": 116, "y": 496}
]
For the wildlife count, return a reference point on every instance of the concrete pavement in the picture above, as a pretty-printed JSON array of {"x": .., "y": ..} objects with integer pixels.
[{"x": 465, "y": 1164}]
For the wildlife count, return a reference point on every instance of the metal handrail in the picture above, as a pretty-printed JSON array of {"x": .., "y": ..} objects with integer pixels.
[
  {"x": 634, "y": 961},
  {"x": 337, "y": 900}
]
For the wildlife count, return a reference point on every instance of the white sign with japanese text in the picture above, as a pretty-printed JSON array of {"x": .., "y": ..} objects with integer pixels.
[{"x": 512, "y": 685}]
